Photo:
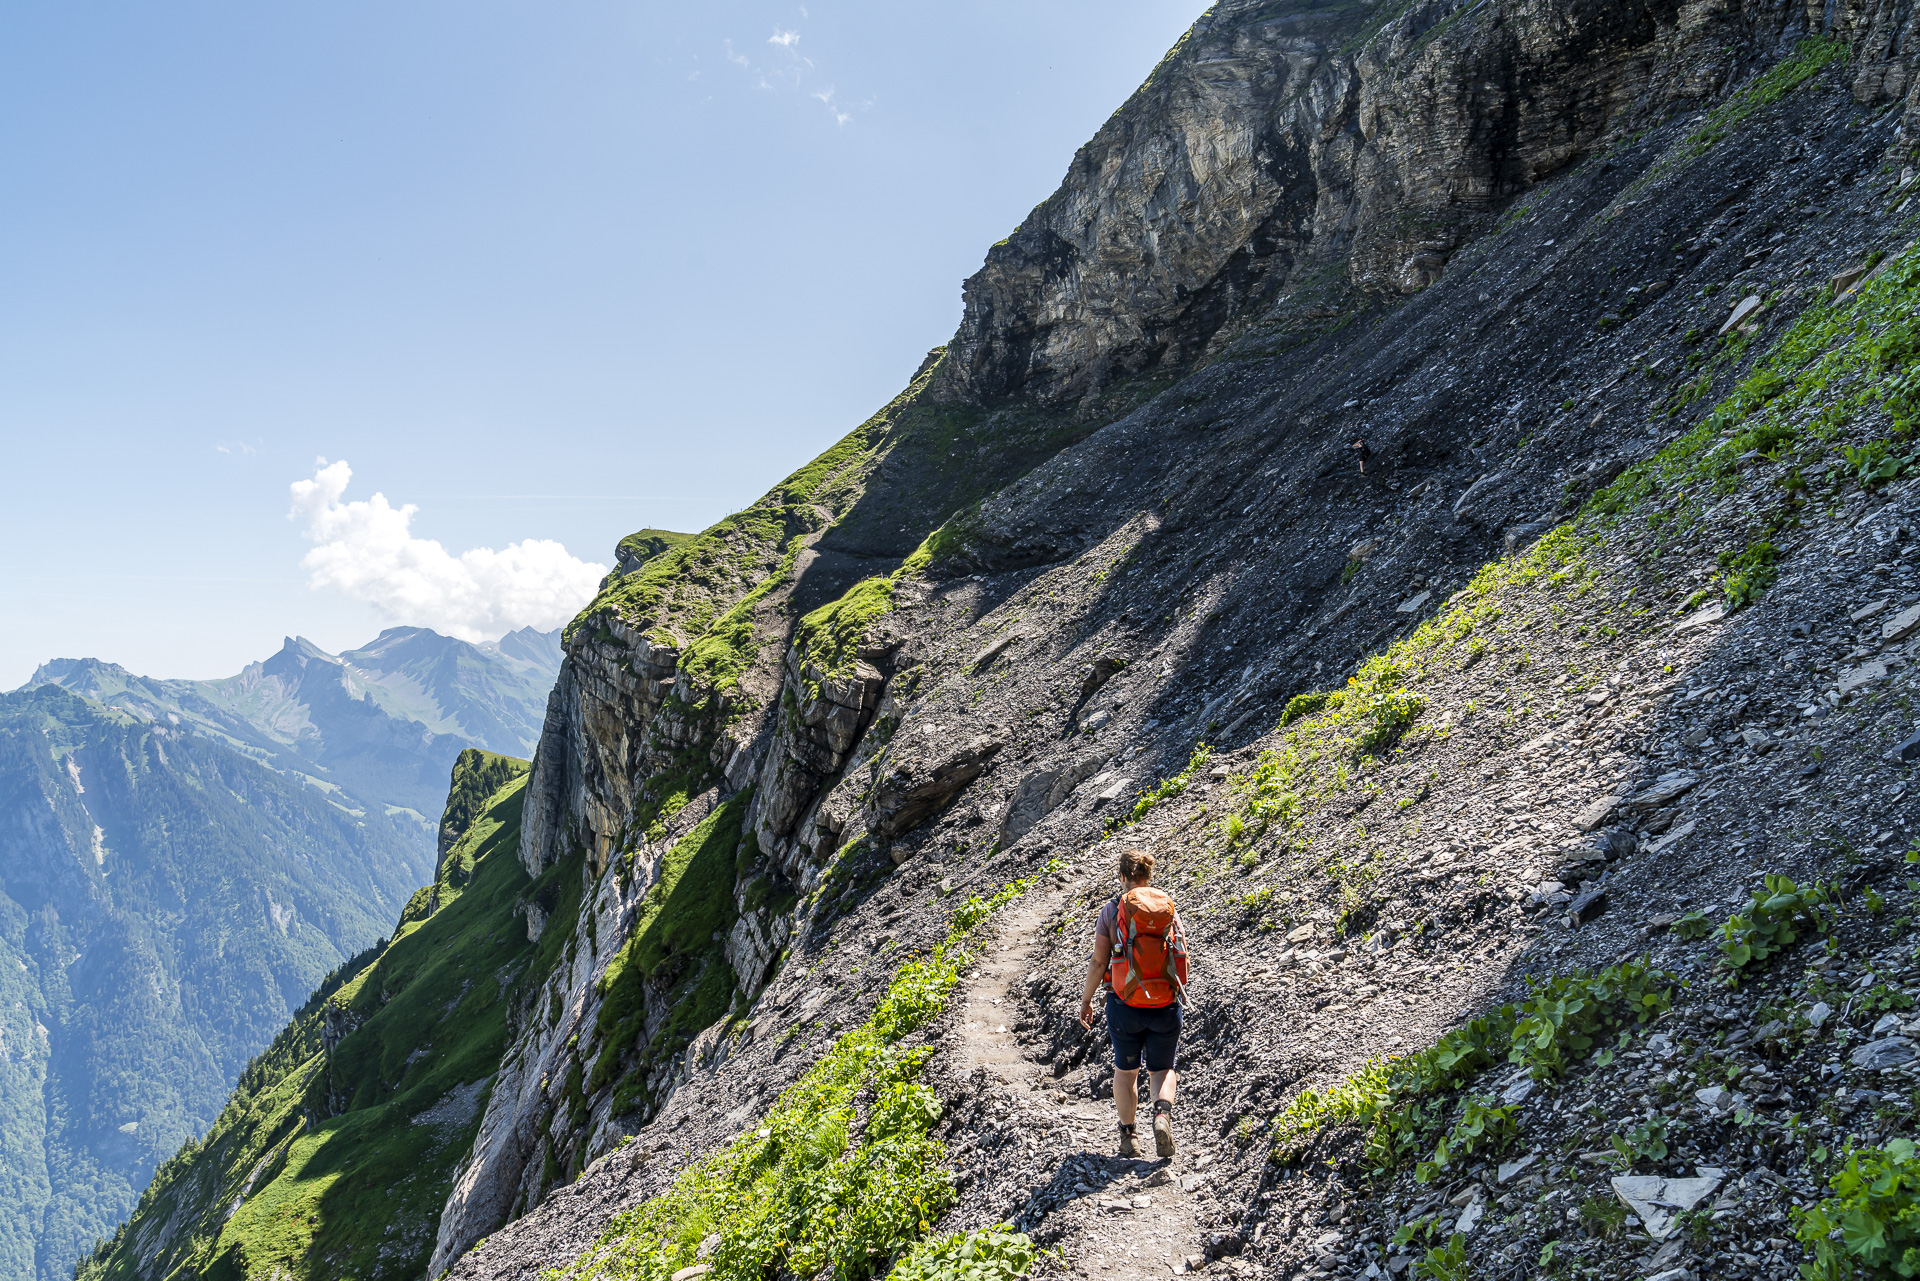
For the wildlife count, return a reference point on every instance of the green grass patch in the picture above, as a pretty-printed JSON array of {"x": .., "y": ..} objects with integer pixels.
[
  {"x": 676, "y": 948},
  {"x": 1168, "y": 788},
  {"x": 1809, "y": 58},
  {"x": 1394, "y": 1100},
  {"x": 810, "y": 1190},
  {"x": 340, "y": 1149}
]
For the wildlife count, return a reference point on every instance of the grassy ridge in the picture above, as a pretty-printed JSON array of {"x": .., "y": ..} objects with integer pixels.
[{"x": 338, "y": 1164}]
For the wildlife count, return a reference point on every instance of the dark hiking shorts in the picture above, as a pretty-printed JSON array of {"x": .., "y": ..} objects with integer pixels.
[{"x": 1149, "y": 1034}]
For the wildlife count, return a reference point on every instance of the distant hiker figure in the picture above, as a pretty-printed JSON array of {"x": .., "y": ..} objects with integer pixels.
[
  {"x": 1360, "y": 451},
  {"x": 1140, "y": 956}
]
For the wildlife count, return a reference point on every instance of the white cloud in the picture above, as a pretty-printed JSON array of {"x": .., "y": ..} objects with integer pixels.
[
  {"x": 826, "y": 99},
  {"x": 791, "y": 69},
  {"x": 366, "y": 550}
]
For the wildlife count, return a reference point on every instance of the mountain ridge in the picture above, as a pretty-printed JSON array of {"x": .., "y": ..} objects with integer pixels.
[
  {"x": 384, "y": 722},
  {"x": 1439, "y": 476}
]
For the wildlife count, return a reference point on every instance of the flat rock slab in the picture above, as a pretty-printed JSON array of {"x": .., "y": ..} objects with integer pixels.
[
  {"x": 1888, "y": 1052},
  {"x": 1901, "y": 625},
  {"x": 1658, "y": 1201}
]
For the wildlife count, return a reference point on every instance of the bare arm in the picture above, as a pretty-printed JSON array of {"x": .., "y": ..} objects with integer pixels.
[{"x": 1096, "y": 974}]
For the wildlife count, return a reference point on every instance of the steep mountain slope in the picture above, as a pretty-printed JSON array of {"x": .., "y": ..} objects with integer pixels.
[
  {"x": 334, "y": 1153},
  {"x": 381, "y": 723},
  {"x": 165, "y": 903},
  {"x": 1440, "y": 476}
]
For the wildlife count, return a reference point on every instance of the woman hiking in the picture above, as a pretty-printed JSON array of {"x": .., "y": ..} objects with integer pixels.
[{"x": 1140, "y": 957}]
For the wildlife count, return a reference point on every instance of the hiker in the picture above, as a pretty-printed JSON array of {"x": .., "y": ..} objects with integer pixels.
[
  {"x": 1362, "y": 452},
  {"x": 1140, "y": 956}
]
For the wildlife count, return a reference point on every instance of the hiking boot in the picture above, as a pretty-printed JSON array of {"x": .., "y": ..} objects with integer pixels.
[
  {"x": 1163, "y": 1130},
  {"x": 1127, "y": 1146}
]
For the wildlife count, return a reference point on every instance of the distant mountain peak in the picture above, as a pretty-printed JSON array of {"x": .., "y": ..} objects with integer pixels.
[{"x": 72, "y": 673}]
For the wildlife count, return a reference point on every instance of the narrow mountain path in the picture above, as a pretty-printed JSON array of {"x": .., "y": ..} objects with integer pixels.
[{"x": 1133, "y": 1221}]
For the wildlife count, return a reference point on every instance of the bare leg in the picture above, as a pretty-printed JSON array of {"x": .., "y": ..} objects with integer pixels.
[
  {"x": 1126, "y": 1093},
  {"x": 1164, "y": 1084}
]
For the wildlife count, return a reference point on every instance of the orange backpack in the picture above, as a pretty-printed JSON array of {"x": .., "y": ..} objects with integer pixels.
[{"x": 1148, "y": 968}]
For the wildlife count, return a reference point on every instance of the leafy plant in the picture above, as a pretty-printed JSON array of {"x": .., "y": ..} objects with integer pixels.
[
  {"x": 1482, "y": 1127},
  {"x": 990, "y": 1254},
  {"x": 1447, "y": 1262},
  {"x": 1646, "y": 1141},
  {"x": 1747, "y": 574},
  {"x": 1304, "y": 705},
  {"x": 1564, "y": 1017},
  {"x": 1875, "y": 463},
  {"x": 1775, "y": 917},
  {"x": 1387, "y": 717},
  {"x": 1694, "y": 925},
  {"x": 1870, "y": 1226}
]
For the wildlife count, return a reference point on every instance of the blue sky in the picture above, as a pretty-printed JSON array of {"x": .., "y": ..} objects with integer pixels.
[{"x": 547, "y": 272}]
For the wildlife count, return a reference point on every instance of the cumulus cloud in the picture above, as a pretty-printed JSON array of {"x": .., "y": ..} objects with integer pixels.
[{"x": 365, "y": 549}]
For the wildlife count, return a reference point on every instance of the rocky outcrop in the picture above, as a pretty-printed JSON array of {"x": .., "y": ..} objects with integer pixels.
[
  {"x": 919, "y": 773},
  {"x": 1042, "y": 792},
  {"x": 1275, "y": 143},
  {"x": 619, "y": 713},
  {"x": 821, "y": 718}
]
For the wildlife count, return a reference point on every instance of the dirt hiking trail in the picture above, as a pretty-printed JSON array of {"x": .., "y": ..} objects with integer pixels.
[{"x": 1127, "y": 1218}]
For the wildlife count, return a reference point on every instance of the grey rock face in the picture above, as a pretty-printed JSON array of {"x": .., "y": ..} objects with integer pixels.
[
  {"x": 822, "y": 718},
  {"x": 1042, "y": 792},
  {"x": 916, "y": 778},
  {"x": 1271, "y": 139}
]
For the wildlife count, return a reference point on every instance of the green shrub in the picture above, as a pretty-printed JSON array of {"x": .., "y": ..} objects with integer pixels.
[
  {"x": 1386, "y": 719},
  {"x": 1774, "y": 918},
  {"x": 1870, "y": 1226},
  {"x": 1748, "y": 573},
  {"x": 1563, "y": 1018},
  {"x": 1482, "y": 1127},
  {"x": 1875, "y": 463},
  {"x": 991, "y": 1254},
  {"x": 1646, "y": 1141},
  {"x": 1694, "y": 925},
  {"x": 1304, "y": 705},
  {"x": 1447, "y": 1262}
]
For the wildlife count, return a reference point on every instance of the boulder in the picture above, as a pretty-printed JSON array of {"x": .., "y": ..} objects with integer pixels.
[
  {"x": 916, "y": 777},
  {"x": 1040, "y": 793}
]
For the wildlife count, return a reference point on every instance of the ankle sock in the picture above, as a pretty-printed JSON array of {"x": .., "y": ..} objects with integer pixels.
[
  {"x": 1126, "y": 1129},
  {"x": 1161, "y": 1105}
]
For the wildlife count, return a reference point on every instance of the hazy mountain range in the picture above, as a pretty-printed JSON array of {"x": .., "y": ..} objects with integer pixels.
[
  {"x": 380, "y": 724},
  {"x": 181, "y": 863}
]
